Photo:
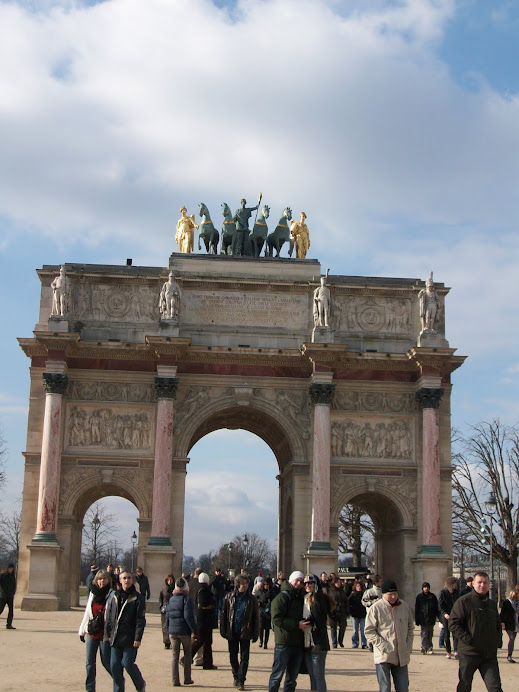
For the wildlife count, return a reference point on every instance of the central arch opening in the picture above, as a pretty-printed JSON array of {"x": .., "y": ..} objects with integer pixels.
[{"x": 231, "y": 493}]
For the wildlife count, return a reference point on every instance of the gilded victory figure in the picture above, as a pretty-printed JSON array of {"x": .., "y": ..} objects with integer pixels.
[
  {"x": 185, "y": 235},
  {"x": 300, "y": 236}
]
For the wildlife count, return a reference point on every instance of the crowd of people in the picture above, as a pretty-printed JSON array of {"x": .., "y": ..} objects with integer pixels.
[{"x": 307, "y": 615}]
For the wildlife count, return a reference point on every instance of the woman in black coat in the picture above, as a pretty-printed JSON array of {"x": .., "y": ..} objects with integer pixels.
[
  {"x": 164, "y": 596},
  {"x": 510, "y": 620}
]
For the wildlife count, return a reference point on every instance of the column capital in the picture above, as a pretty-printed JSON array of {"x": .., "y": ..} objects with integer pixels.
[
  {"x": 429, "y": 397},
  {"x": 166, "y": 387},
  {"x": 54, "y": 382},
  {"x": 321, "y": 393}
]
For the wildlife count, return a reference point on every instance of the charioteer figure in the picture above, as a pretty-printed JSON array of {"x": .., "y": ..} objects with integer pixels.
[{"x": 241, "y": 243}]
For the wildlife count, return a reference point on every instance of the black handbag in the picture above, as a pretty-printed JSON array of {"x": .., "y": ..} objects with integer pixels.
[{"x": 96, "y": 624}]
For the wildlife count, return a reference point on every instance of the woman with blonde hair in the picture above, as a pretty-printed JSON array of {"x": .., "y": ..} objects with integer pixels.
[
  {"x": 92, "y": 628},
  {"x": 316, "y": 609},
  {"x": 510, "y": 620}
]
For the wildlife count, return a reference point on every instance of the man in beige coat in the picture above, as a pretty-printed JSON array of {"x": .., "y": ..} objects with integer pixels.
[{"x": 390, "y": 628}]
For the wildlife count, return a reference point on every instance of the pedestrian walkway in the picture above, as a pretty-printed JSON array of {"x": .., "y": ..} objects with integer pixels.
[{"x": 44, "y": 653}]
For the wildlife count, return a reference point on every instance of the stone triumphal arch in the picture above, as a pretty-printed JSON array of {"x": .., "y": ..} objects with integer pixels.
[{"x": 133, "y": 365}]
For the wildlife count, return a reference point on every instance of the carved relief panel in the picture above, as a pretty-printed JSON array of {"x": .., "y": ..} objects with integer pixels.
[
  {"x": 110, "y": 391},
  {"x": 106, "y": 428},
  {"x": 357, "y": 315},
  {"x": 126, "y": 302},
  {"x": 374, "y": 439}
]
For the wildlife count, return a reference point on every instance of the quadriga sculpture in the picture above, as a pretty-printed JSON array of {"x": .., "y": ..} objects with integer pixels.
[
  {"x": 258, "y": 235},
  {"x": 208, "y": 232},
  {"x": 280, "y": 235},
  {"x": 228, "y": 231}
]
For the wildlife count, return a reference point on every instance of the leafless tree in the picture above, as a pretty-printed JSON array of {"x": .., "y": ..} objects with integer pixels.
[
  {"x": 248, "y": 551},
  {"x": 100, "y": 534},
  {"x": 3, "y": 454},
  {"x": 10, "y": 534},
  {"x": 356, "y": 533},
  {"x": 486, "y": 463}
]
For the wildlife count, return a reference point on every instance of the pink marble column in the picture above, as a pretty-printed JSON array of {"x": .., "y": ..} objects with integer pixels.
[
  {"x": 166, "y": 388},
  {"x": 50, "y": 467},
  {"x": 321, "y": 395},
  {"x": 429, "y": 399}
]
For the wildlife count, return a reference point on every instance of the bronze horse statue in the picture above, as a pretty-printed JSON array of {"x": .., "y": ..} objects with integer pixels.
[
  {"x": 208, "y": 232},
  {"x": 280, "y": 235},
  {"x": 228, "y": 231},
  {"x": 258, "y": 235}
]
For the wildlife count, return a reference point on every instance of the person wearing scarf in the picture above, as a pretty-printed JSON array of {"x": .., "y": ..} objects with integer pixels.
[{"x": 97, "y": 594}]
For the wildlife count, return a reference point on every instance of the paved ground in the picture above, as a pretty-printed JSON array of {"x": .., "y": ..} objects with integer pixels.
[{"x": 45, "y": 653}]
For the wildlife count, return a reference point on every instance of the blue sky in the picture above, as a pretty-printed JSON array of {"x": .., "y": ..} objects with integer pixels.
[{"x": 393, "y": 125}]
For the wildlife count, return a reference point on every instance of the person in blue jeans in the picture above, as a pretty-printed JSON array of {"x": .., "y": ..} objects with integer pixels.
[
  {"x": 125, "y": 620},
  {"x": 289, "y": 625},
  {"x": 98, "y": 593},
  {"x": 358, "y": 615},
  {"x": 390, "y": 629}
]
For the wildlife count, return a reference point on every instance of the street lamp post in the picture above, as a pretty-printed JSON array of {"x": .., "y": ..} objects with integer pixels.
[
  {"x": 95, "y": 524},
  {"x": 134, "y": 542},
  {"x": 245, "y": 541},
  {"x": 229, "y": 548},
  {"x": 491, "y": 507}
]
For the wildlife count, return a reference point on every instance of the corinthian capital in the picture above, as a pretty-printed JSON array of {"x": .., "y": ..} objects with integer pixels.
[
  {"x": 322, "y": 393},
  {"x": 55, "y": 382},
  {"x": 166, "y": 387},
  {"x": 429, "y": 397}
]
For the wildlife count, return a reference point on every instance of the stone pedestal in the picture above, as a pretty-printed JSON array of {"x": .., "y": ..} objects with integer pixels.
[
  {"x": 166, "y": 388},
  {"x": 169, "y": 327},
  {"x": 320, "y": 559},
  {"x": 429, "y": 339},
  {"x": 57, "y": 323},
  {"x": 158, "y": 562},
  {"x": 43, "y": 577},
  {"x": 432, "y": 568},
  {"x": 321, "y": 393},
  {"x": 323, "y": 335}
]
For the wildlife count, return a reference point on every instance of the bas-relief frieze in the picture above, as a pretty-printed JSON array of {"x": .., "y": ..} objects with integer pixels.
[
  {"x": 381, "y": 402},
  {"x": 100, "y": 302},
  {"x": 355, "y": 314},
  {"x": 372, "y": 440},
  {"x": 110, "y": 391},
  {"x": 104, "y": 428},
  {"x": 228, "y": 308}
]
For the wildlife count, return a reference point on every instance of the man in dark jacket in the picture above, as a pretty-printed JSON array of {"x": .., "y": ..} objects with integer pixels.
[
  {"x": 287, "y": 617},
  {"x": 7, "y": 591},
  {"x": 474, "y": 620},
  {"x": 90, "y": 578},
  {"x": 239, "y": 624},
  {"x": 143, "y": 582},
  {"x": 426, "y": 612},
  {"x": 125, "y": 619}
]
